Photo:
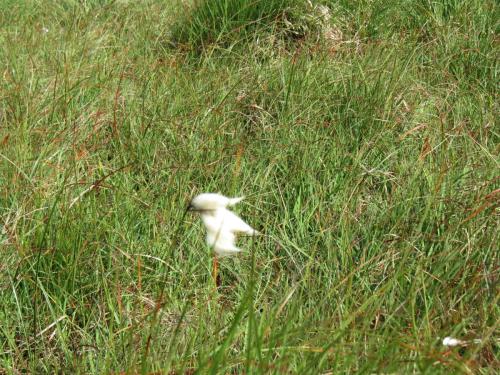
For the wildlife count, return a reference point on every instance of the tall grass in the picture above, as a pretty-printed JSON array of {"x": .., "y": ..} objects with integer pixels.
[
  {"x": 367, "y": 149},
  {"x": 227, "y": 21}
]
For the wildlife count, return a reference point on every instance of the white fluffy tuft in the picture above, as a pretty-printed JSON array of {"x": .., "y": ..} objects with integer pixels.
[
  {"x": 213, "y": 201},
  {"x": 222, "y": 224}
]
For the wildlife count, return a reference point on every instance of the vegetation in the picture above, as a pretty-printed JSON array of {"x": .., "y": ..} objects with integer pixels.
[{"x": 363, "y": 133}]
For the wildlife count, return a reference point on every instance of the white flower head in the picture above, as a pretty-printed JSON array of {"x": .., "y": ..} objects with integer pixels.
[
  {"x": 212, "y": 201},
  {"x": 222, "y": 225},
  {"x": 450, "y": 341}
]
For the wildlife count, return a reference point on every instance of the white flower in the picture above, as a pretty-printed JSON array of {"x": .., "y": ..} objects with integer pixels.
[
  {"x": 222, "y": 224},
  {"x": 450, "y": 341},
  {"x": 212, "y": 201}
]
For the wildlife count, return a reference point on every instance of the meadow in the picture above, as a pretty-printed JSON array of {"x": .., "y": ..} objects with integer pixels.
[{"x": 364, "y": 135}]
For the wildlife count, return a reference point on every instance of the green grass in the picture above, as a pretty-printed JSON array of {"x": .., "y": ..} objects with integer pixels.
[{"x": 366, "y": 143}]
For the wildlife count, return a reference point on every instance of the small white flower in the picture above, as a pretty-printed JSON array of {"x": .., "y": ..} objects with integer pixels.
[
  {"x": 222, "y": 224},
  {"x": 45, "y": 30},
  {"x": 450, "y": 341}
]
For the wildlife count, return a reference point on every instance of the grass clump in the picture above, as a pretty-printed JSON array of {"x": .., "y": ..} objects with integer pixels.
[{"x": 222, "y": 23}]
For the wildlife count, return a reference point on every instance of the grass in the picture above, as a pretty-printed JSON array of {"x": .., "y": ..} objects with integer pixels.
[{"x": 366, "y": 143}]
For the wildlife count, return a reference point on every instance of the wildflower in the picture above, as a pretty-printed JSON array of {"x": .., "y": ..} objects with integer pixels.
[
  {"x": 222, "y": 225},
  {"x": 450, "y": 341}
]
